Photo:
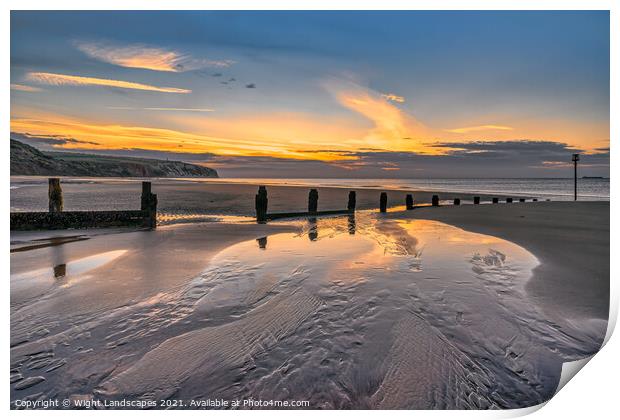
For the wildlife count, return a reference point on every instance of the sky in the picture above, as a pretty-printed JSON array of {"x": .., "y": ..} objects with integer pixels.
[{"x": 381, "y": 94}]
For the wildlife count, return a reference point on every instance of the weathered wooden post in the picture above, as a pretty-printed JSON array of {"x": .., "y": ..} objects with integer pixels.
[
  {"x": 60, "y": 270},
  {"x": 313, "y": 201},
  {"x": 495, "y": 200},
  {"x": 352, "y": 201},
  {"x": 262, "y": 242},
  {"x": 476, "y": 200},
  {"x": 435, "y": 201},
  {"x": 55, "y": 195},
  {"x": 409, "y": 202},
  {"x": 383, "y": 202},
  {"x": 457, "y": 201},
  {"x": 148, "y": 204},
  {"x": 261, "y": 202},
  {"x": 509, "y": 200},
  {"x": 521, "y": 200},
  {"x": 146, "y": 195}
]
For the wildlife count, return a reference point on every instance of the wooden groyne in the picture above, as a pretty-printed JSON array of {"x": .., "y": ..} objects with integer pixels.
[
  {"x": 313, "y": 207},
  {"x": 262, "y": 215},
  {"x": 57, "y": 218}
]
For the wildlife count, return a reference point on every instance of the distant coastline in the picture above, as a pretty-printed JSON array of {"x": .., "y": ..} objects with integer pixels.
[{"x": 28, "y": 160}]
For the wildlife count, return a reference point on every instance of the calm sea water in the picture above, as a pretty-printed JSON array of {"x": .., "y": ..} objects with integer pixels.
[{"x": 552, "y": 188}]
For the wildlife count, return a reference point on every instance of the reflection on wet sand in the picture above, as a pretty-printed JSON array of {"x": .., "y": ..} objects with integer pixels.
[
  {"x": 262, "y": 242},
  {"x": 352, "y": 312},
  {"x": 46, "y": 281},
  {"x": 313, "y": 230},
  {"x": 46, "y": 242},
  {"x": 351, "y": 224}
]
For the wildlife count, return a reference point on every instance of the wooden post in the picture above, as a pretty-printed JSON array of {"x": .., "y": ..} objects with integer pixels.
[
  {"x": 521, "y": 200},
  {"x": 409, "y": 202},
  {"x": 351, "y": 203},
  {"x": 435, "y": 200},
  {"x": 54, "y": 195},
  {"x": 509, "y": 200},
  {"x": 457, "y": 201},
  {"x": 476, "y": 200},
  {"x": 495, "y": 200},
  {"x": 383, "y": 202},
  {"x": 148, "y": 203},
  {"x": 313, "y": 201},
  {"x": 146, "y": 195},
  {"x": 261, "y": 202},
  {"x": 151, "y": 222}
]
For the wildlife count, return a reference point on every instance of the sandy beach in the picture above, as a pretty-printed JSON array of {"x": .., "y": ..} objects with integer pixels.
[{"x": 467, "y": 306}]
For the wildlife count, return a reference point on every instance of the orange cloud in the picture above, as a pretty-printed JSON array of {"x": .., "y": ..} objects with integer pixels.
[
  {"x": 164, "y": 109},
  {"x": 64, "y": 79},
  {"x": 144, "y": 57},
  {"x": 113, "y": 136},
  {"x": 465, "y": 130},
  {"x": 24, "y": 88},
  {"x": 393, "y": 129}
]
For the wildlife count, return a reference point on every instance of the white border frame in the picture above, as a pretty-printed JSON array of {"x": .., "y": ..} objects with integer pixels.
[{"x": 593, "y": 394}]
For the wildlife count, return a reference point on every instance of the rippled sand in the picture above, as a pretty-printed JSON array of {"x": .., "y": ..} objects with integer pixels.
[{"x": 364, "y": 312}]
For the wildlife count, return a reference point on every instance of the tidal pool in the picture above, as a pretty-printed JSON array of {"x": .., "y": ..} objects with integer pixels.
[{"x": 351, "y": 312}]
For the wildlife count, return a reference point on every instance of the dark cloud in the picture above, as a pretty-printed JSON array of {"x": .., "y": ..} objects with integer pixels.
[
  {"x": 250, "y": 86},
  {"x": 149, "y": 154},
  {"x": 508, "y": 147},
  {"x": 47, "y": 142},
  {"x": 517, "y": 158}
]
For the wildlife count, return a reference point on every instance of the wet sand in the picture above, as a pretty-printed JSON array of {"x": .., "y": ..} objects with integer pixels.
[
  {"x": 570, "y": 239},
  {"x": 304, "y": 309}
]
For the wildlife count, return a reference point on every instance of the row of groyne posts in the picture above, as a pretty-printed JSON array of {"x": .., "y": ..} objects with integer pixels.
[
  {"x": 146, "y": 217},
  {"x": 262, "y": 201}
]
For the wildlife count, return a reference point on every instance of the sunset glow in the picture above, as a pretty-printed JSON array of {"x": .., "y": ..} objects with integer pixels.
[{"x": 310, "y": 99}]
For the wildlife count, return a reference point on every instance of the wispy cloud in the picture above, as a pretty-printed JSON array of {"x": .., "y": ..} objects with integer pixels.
[
  {"x": 24, "y": 88},
  {"x": 489, "y": 127},
  {"x": 393, "y": 98},
  {"x": 393, "y": 129},
  {"x": 65, "y": 79},
  {"x": 164, "y": 109},
  {"x": 145, "y": 57}
]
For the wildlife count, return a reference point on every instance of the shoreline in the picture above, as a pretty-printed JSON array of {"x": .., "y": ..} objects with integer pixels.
[{"x": 488, "y": 188}]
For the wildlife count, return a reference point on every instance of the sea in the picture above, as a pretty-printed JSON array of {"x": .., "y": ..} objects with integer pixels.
[{"x": 556, "y": 189}]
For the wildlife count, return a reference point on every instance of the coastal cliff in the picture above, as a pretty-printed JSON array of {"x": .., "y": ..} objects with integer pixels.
[{"x": 27, "y": 160}]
